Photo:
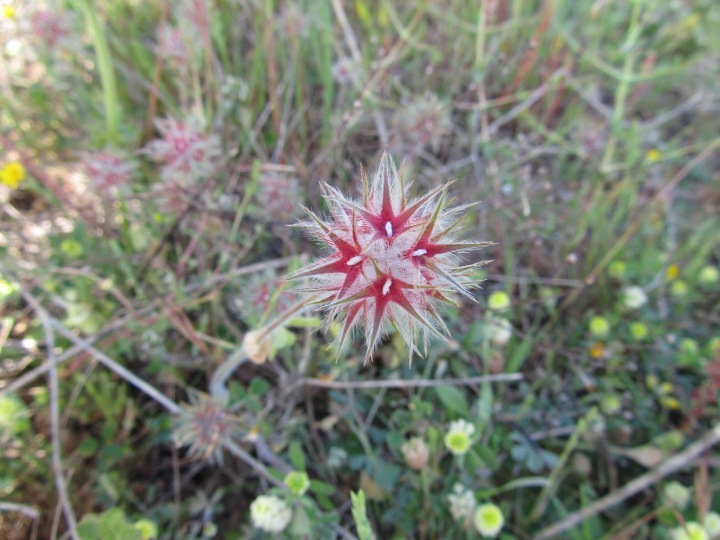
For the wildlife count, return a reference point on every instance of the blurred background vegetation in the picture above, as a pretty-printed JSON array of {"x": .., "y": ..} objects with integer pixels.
[{"x": 130, "y": 270}]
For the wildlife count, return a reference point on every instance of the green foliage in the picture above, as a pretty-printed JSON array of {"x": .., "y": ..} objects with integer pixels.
[{"x": 110, "y": 525}]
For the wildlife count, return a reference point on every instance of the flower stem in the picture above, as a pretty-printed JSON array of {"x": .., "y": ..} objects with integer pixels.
[{"x": 218, "y": 388}]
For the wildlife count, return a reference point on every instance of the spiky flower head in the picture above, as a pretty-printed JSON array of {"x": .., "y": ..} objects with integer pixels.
[
  {"x": 109, "y": 171},
  {"x": 391, "y": 261},
  {"x": 422, "y": 122},
  {"x": 204, "y": 425},
  {"x": 186, "y": 153}
]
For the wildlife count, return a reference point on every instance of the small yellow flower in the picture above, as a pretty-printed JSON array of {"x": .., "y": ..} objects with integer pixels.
[
  {"x": 458, "y": 439},
  {"x": 8, "y": 11},
  {"x": 709, "y": 275},
  {"x": 297, "y": 481},
  {"x": 498, "y": 301},
  {"x": 12, "y": 174},
  {"x": 653, "y": 155},
  {"x": 691, "y": 531},
  {"x": 679, "y": 288},
  {"x": 617, "y": 269},
  {"x": 651, "y": 381},
  {"x": 599, "y": 327},
  {"x": 666, "y": 388},
  {"x": 672, "y": 272},
  {"x": 638, "y": 330},
  {"x": 597, "y": 350},
  {"x": 690, "y": 346},
  {"x": 610, "y": 404},
  {"x": 670, "y": 402},
  {"x": 488, "y": 520}
]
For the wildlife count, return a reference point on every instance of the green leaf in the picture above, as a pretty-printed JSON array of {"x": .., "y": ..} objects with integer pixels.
[
  {"x": 485, "y": 403},
  {"x": 453, "y": 400},
  {"x": 110, "y": 525},
  {"x": 359, "y": 512},
  {"x": 321, "y": 488},
  {"x": 519, "y": 355},
  {"x": 304, "y": 322},
  {"x": 297, "y": 458},
  {"x": 280, "y": 339}
]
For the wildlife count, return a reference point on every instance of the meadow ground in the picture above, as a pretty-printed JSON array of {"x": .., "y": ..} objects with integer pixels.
[{"x": 161, "y": 378}]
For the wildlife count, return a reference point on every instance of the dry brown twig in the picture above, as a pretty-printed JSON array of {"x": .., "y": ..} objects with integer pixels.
[{"x": 410, "y": 383}]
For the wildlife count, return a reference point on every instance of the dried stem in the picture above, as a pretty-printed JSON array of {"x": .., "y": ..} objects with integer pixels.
[
  {"x": 412, "y": 383},
  {"x": 54, "y": 395}
]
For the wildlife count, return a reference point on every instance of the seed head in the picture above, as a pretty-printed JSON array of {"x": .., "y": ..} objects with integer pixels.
[
  {"x": 392, "y": 260},
  {"x": 203, "y": 425},
  {"x": 278, "y": 196},
  {"x": 108, "y": 171}
]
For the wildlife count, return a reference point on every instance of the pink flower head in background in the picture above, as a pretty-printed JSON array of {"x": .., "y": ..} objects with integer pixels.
[
  {"x": 278, "y": 196},
  {"x": 187, "y": 154},
  {"x": 263, "y": 295},
  {"x": 392, "y": 260},
  {"x": 53, "y": 28},
  {"x": 172, "y": 46},
  {"x": 109, "y": 171}
]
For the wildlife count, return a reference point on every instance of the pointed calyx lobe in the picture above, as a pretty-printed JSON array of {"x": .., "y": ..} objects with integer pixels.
[{"x": 390, "y": 260}]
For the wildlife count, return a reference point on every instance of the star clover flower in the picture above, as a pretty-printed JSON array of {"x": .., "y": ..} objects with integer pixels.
[
  {"x": 186, "y": 152},
  {"x": 392, "y": 260},
  {"x": 109, "y": 171}
]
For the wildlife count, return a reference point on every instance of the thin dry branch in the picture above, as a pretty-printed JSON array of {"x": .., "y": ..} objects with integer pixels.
[
  {"x": 411, "y": 383},
  {"x": 54, "y": 398}
]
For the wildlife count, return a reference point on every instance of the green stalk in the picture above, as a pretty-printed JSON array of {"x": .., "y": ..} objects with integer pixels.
[
  {"x": 623, "y": 89},
  {"x": 107, "y": 75}
]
